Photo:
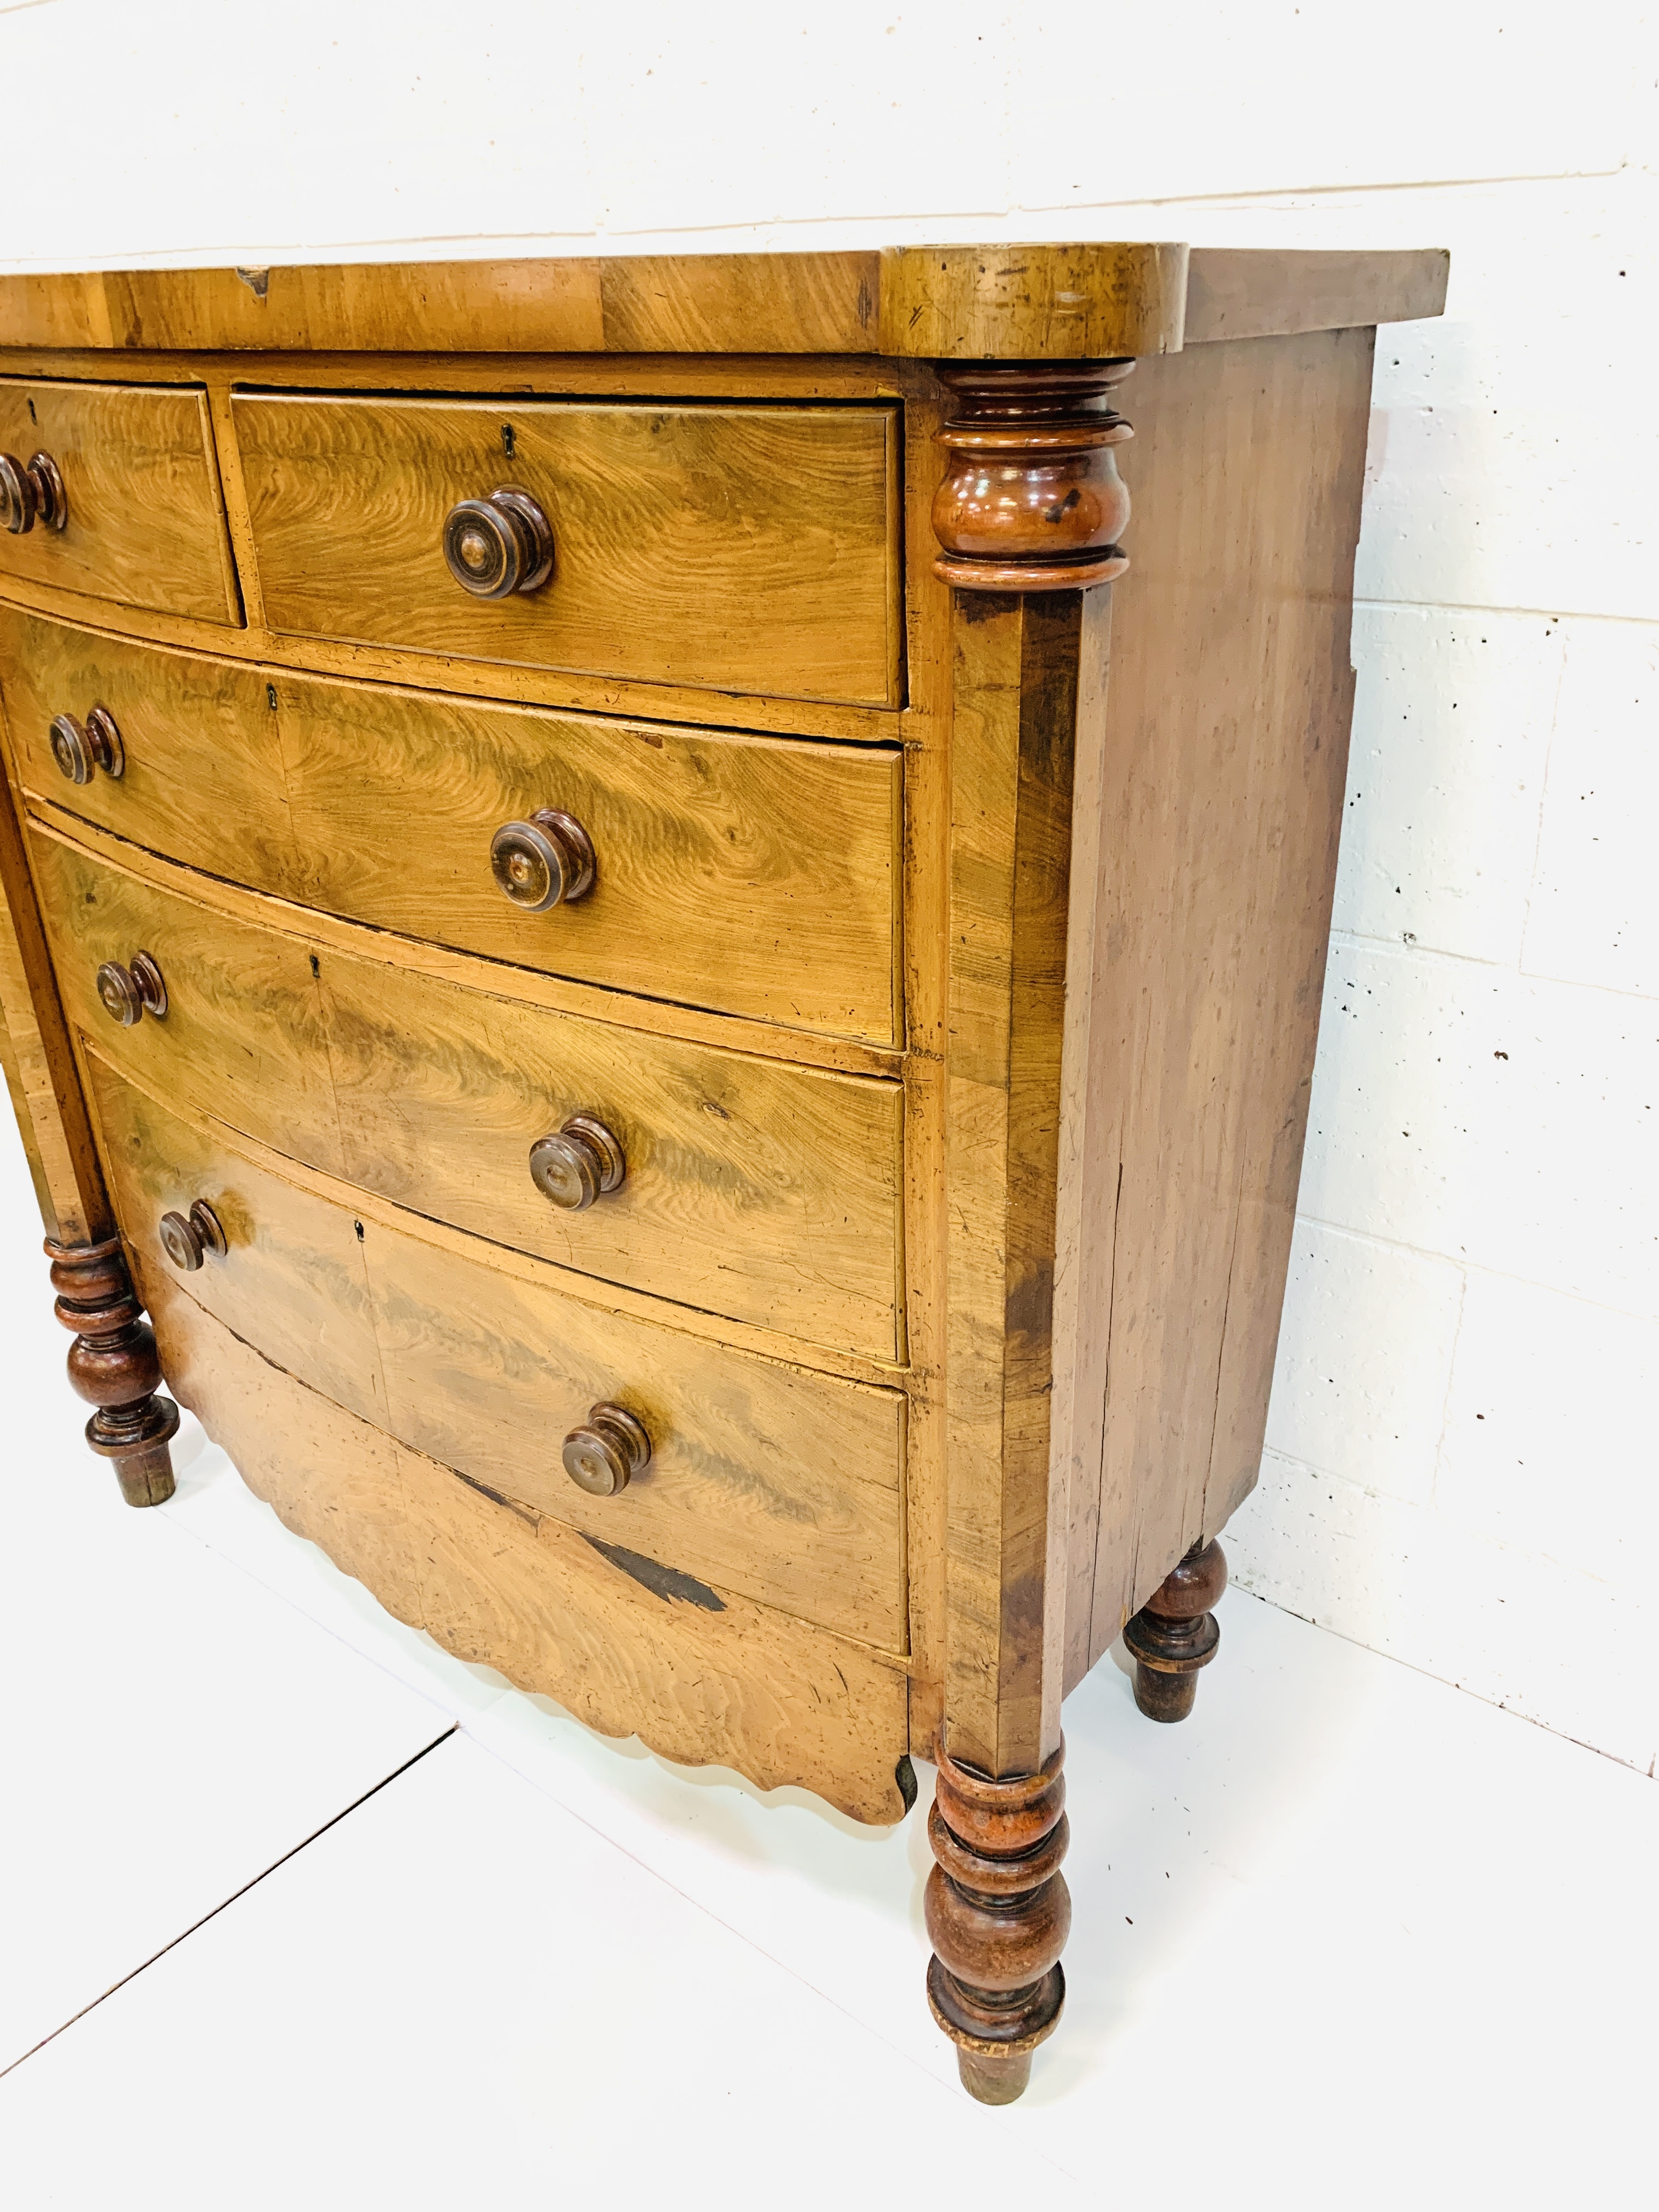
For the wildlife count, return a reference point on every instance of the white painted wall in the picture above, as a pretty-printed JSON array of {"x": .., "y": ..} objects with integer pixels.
[{"x": 1461, "y": 1467}]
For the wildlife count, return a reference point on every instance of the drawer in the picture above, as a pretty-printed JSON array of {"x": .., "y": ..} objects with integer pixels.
[
  {"x": 242, "y": 1034},
  {"x": 763, "y": 1478},
  {"x": 140, "y": 483},
  {"x": 200, "y": 753},
  {"x": 762, "y": 1191},
  {"x": 733, "y": 1683},
  {"x": 740, "y": 548},
  {"x": 753, "y": 876}
]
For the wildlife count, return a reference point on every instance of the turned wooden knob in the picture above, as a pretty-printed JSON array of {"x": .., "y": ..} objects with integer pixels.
[
  {"x": 611, "y": 1446},
  {"x": 187, "y": 1238},
  {"x": 78, "y": 748},
  {"x": 32, "y": 491},
  {"x": 498, "y": 545},
  {"x": 129, "y": 993},
  {"x": 581, "y": 1163},
  {"x": 546, "y": 861}
]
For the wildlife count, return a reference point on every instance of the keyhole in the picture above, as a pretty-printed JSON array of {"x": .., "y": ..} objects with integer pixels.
[
  {"x": 510, "y": 440},
  {"x": 33, "y": 417}
]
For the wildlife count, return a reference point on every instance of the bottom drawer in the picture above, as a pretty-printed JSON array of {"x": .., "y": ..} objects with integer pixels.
[
  {"x": 767, "y": 1480},
  {"x": 709, "y": 1681}
]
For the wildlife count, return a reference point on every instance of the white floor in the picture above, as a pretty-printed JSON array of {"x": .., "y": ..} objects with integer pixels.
[{"x": 1347, "y": 1938}]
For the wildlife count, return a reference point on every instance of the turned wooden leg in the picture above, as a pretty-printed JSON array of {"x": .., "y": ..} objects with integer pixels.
[
  {"x": 998, "y": 1912},
  {"x": 112, "y": 1364},
  {"x": 1174, "y": 1633}
]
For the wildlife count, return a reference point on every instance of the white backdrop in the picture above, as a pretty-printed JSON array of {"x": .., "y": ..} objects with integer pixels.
[{"x": 1461, "y": 1467}]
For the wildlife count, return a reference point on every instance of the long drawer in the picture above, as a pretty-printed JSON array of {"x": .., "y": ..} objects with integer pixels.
[
  {"x": 742, "y": 547},
  {"x": 751, "y": 876},
  {"x": 700, "y": 1675},
  {"x": 138, "y": 485},
  {"x": 753, "y": 1188},
  {"x": 783, "y": 1486}
]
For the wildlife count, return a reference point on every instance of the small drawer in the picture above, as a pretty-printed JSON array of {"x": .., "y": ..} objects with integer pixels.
[
  {"x": 169, "y": 749},
  {"x": 729, "y": 1470},
  {"x": 765, "y": 1192},
  {"x": 114, "y": 489},
  {"x": 737, "y": 548}
]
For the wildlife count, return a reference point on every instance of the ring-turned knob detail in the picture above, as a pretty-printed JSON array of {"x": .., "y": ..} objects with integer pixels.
[
  {"x": 611, "y": 1446},
  {"x": 546, "y": 861},
  {"x": 498, "y": 545},
  {"x": 581, "y": 1163},
  {"x": 32, "y": 491},
  {"x": 187, "y": 1238},
  {"x": 79, "y": 747},
  {"x": 129, "y": 993}
]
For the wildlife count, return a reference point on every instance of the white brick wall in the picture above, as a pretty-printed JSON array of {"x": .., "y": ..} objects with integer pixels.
[{"x": 1461, "y": 1467}]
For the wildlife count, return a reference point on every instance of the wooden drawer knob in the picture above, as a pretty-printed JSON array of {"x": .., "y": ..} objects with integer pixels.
[
  {"x": 581, "y": 1164},
  {"x": 31, "y": 492},
  {"x": 187, "y": 1238},
  {"x": 601, "y": 1456},
  {"x": 546, "y": 861},
  {"x": 129, "y": 993},
  {"x": 498, "y": 545},
  {"x": 78, "y": 748}
]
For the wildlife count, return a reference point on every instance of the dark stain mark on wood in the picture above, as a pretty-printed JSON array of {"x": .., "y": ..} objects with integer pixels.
[
  {"x": 661, "y": 1580},
  {"x": 905, "y": 1774},
  {"x": 496, "y": 1498}
]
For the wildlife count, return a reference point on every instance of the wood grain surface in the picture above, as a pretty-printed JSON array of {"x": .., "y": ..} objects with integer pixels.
[
  {"x": 734, "y": 1684},
  {"x": 1222, "y": 786},
  {"x": 1066, "y": 303},
  {"x": 766, "y": 1192},
  {"x": 748, "y": 875},
  {"x": 780, "y": 1484},
  {"x": 830, "y": 303},
  {"x": 742, "y": 548},
  {"x": 243, "y": 1036},
  {"x": 203, "y": 777},
  {"x": 769, "y": 1193},
  {"x": 1019, "y": 662},
  {"x": 145, "y": 523}
]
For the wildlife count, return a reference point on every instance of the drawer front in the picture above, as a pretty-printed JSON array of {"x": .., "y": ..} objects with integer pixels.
[
  {"x": 783, "y": 1485},
  {"x": 733, "y": 1683},
  {"x": 242, "y": 1035},
  {"x": 200, "y": 756},
  {"x": 144, "y": 522},
  {"x": 750, "y": 875},
  {"x": 745, "y": 548},
  {"x": 765, "y": 1192}
]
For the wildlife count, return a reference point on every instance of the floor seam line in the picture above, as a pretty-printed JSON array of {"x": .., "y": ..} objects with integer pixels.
[{"x": 235, "y": 1896}]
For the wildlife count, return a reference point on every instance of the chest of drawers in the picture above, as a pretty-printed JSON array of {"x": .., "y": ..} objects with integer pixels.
[{"x": 688, "y": 998}]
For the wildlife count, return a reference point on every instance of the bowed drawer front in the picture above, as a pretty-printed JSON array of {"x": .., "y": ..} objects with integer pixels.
[
  {"x": 742, "y": 548},
  {"x": 123, "y": 499},
  {"x": 766, "y": 1192},
  {"x": 758, "y": 1476}
]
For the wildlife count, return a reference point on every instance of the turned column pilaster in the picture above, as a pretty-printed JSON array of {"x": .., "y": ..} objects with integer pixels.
[
  {"x": 113, "y": 1365},
  {"x": 998, "y": 1913},
  {"x": 1031, "y": 499}
]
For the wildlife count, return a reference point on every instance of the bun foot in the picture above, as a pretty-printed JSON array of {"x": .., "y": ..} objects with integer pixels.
[{"x": 1174, "y": 1634}]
